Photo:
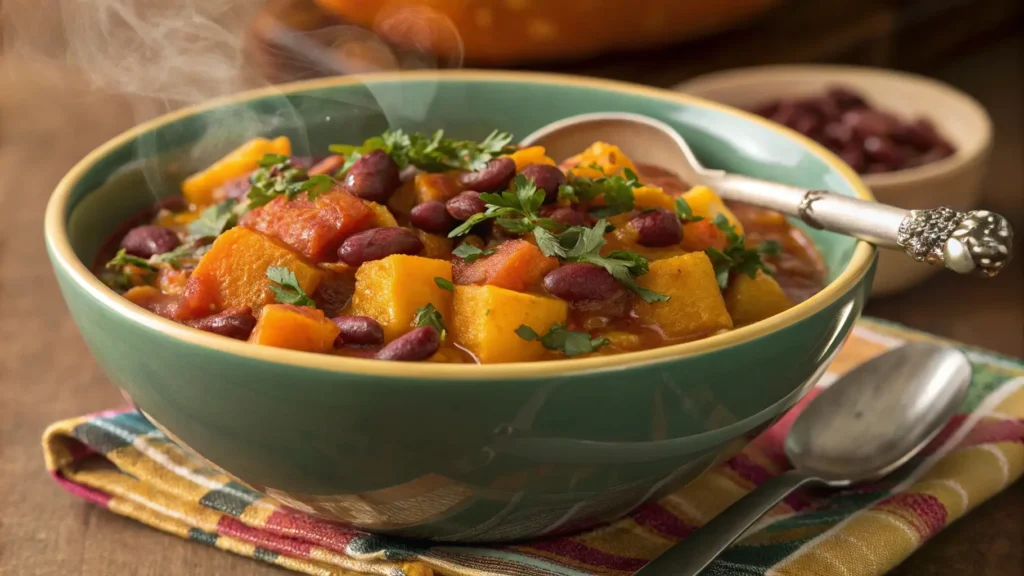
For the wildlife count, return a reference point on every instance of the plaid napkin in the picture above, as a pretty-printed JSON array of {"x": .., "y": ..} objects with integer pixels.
[{"x": 119, "y": 460}]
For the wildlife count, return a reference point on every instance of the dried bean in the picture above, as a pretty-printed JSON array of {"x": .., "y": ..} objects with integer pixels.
[
  {"x": 657, "y": 227},
  {"x": 495, "y": 176},
  {"x": 237, "y": 323},
  {"x": 377, "y": 243},
  {"x": 546, "y": 178},
  {"x": 358, "y": 330},
  {"x": 373, "y": 177},
  {"x": 419, "y": 344},
  {"x": 149, "y": 240},
  {"x": 463, "y": 206},
  {"x": 579, "y": 281},
  {"x": 432, "y": 216}
]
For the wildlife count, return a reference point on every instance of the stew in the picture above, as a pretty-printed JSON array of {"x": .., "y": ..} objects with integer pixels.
[{"x": 415, "y": 247}]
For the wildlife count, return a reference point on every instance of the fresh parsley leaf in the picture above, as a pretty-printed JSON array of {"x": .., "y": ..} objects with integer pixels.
[
  {"x": 429, "y": 316},
  {"x": 174, "y": 258},
  {"x": 433, "y": 153},
  {"x": 277, "y": 176},
  {"x": 617, "y": 192},
  {"x": 444, "y": 284},
  {"x": 124, "y": 271},
  {"x": 470, "y": 253},
  {"x": 736, "y": 256},
  {"x": 289, "y": 291},
  {"x": 515, "y": 210},
  {"x": 570, "y": 342},
  {"x": 684, "y": 211},
  {"x": 625, "y": 266},
  {"x": 214, "y": 220},
  {"x": 122, "y": 259},
  {"x": 269, "y": 160},
  {"x": 466, "y": 226}
]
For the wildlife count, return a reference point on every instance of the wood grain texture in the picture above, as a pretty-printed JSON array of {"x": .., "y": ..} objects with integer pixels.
[{"x": 47, "y": 374}]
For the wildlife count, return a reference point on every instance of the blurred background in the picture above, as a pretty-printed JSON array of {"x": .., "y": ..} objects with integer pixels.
[{"x": 74, "y": 73}]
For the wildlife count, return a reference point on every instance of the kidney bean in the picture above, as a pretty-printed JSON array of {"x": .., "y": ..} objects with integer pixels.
[
  {"x": 547, "y": 178},
  {"x": 837, "y": 136},
  {"x": 328, "y": 165},
  {"x": 579, "y": 281},
  {"x": 465, "y": 205},
  {"x": 377, "y": 243},
  {"x": 854, "y": 156},
  {"x": 883, "y": 150},
  {"x": 149, "y": 240},
  {"x": 657, "y": 227},
  {"x": 359, "y": 330},
  {"x": 432, "y": 217},
  {"x": 373, "y": 177},
  {"x": 419, "y": 344},
  {"x": 866, "y": 122},
  {"x": 495, "y": 176},
  {"x": 564, "y": 215},
  {"x": 237, "y": 323}
]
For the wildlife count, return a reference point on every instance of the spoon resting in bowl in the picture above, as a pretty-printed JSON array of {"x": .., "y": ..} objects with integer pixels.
[{"x": 978, "y": 242}]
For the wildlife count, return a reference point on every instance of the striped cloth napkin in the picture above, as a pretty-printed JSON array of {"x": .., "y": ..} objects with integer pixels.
[{"x": 119, "y": 460}]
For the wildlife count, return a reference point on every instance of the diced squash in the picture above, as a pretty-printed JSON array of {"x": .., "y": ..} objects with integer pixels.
[
  {"x": 486, "y": 318},
  {"x": 314, "y": 228},
  {"x": 390, "y": 291},
  {"x": 198, "y": 188},
  {"x": 152, "y": 299},
  {"x": 440, "y": 187},
  {"x": 294, "y": 327},
  {"x": 171, "y": 281},
  {"x": 403, "y": 199},
  {"x": 751, "y": 300},
  {"x": 169, "y": 219},
  {"x": 701, "y": 235},
  {"x": 234, "y": 273},
  {"x": 608, "y": 157},
  {"x": 624, "y": 237},
  {"x": 516, "y": 265},
  {"x": 382, "y": 217},
  {"x": 653, "y": 197},
  {"x": 434, "y": 245},
  {"x": 695, "y": 306},
  {"x": 704, "y": 202},
  {"x": 531, "y": 155}
]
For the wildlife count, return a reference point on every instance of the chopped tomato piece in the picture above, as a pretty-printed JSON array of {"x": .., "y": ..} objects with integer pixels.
[{"x": 516, "y": 265}]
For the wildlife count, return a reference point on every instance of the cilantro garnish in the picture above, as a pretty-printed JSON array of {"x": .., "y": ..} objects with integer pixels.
[
  {"x": 515, "y": 210},
  {"x": 684, "y": 211},
  {"x": 427, "y": 315},
  {"x": 289, "y": 291},
  {"x": 444, "y": 284},
  {"x": 736, "y": 256},
  {"x": 122, "y": 259},
  {"x": 123, "y": 269},
  {"x": 187, "y": 251},
  {"x": 570, "y": 342},
  {"x": 214, "y": 220},
  {"x": 277, "y": 176},
  {"x": 470, "y": 253},
  {"x": 616, "y": 190},
  {"x": 433, "y": 153}
]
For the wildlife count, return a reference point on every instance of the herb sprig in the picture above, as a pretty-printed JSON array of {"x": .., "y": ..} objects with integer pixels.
[
  {"x": 431, "y": 153},
  {"x": 616, "y": 190},
  {"x": 278, "y": 176},
  {"x": 470, "y": 253},
  {"x": 288, "y": 291},
  {"x": 427, "y": 315},
  {"x": 558, "y": 337},
  {"x": 736, "y": 256},
  {"x": 515, "y": 210},
  {"x": 684, "y": 211},
  {"x": 122, "y": 271},
  {"x": 214, "y": 220}
]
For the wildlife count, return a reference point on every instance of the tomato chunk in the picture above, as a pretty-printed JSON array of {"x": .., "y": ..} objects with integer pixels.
[{"x": 516, "y": 265}]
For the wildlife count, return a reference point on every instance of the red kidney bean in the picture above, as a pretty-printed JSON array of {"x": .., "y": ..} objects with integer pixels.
[
  {"x": 495, "y": 176},
  {"x": 846, "y": 99},
  {"x": 547, "y": 178},
  {"x": 854, "y": 156},
  {"x": 564, "y": 215},
  {"x": 657, "y": 227},
  {"x": 579, "y": 281},
  {"x": 883, "y": 150},
  {"x": 149, "y": 240},
  {"x": 465, "y": 205},
  {"x": 377, "y": 243},
  {"x": 866, "y": 122},
  {"x": 432, "y": 217},
  {"x": 237, "y": 323},
  {"x": 837, "y": 136},
  {"x": 328, "y": 165},
  {"x": 358, "y": 330},
  {"x": 373, "y": 177},
  {"x": 419, "y": 344}
]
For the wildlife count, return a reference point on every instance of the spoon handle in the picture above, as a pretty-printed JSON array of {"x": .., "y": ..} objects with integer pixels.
[
  {"x": 977, "y": 242},
  {"x": 696, "y": 551}
]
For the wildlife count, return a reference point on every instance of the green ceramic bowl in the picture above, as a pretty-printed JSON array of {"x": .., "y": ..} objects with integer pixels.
[{"x": 449, "y": 452}]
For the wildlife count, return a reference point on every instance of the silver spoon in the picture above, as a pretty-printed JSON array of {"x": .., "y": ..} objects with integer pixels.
[
  {"x": 864, "y": 426},
  {"x": 977, "y": 242}
]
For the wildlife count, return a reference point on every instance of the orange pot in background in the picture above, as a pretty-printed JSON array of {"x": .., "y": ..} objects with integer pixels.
[{"x": 509, "y": 32}]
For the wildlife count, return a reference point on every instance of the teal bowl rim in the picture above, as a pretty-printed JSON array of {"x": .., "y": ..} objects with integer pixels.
[{"x": 55, "y": 230}]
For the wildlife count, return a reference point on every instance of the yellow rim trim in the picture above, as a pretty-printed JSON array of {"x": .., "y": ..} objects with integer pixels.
[{"x": 56, "y": 234}]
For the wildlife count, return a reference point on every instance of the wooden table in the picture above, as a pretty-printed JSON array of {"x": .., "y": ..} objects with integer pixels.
[{"x": 47, "y": 373}]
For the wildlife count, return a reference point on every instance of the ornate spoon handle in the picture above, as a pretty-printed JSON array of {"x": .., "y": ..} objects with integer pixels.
[{"x": 977, "y": 242}]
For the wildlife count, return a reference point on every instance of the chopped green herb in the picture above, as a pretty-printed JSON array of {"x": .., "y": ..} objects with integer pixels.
[
  {"x": 122, "y": 259},
  {"x": 214, "y": 220},
  {"x": 429, "y": 316},
  {"x": 270, "y": 160},
  {"x": 736, "y": 256},
  {"x": 515, "y": 210},
  {"x": 277, "y": 176},
  {"x": 175, "y": 258},
  {"x": 470, "y": 253},
  {"x": 617, "y": 192},
  {"x": 289, "y": 291},
  {"x": 625, "y": 266},
  {"x": 433, "y": 153},
  {"x": 444, "y": 284},
  {"x": 570, "y": 342},
  {"x": 117, "y": 274},
  {"x": 684, "y": 211}
]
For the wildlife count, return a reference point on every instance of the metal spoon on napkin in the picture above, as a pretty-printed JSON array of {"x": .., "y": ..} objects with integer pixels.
[
  {"x": 977, "y": 242},
  {"x": 861, "y": 428}
]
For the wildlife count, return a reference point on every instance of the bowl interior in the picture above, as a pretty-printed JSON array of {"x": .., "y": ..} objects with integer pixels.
[{"x": 125, "y": 177}]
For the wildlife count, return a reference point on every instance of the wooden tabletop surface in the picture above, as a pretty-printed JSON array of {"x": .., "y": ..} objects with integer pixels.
[{"x": 47, "y": 374}]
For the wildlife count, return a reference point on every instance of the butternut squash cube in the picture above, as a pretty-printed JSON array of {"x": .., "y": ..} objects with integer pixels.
[
  {"x": 531, "y": 155},
  {"x": 486, "y": 319},
  {"x": 695, "y": 306},
  {"x": 198, "y": 188},
  {"x": 435, "y": 245},
  {"x": 295, "y": 327},
  {"x": 234, "y": 273},
  {"x": 403, "y": 199},
  {"x": 390, "y": 291},
  {"x": 704, "y": 202},
  {"x": 751, "y": 300},
  {"x": 382, "y": 217},
  {"x": 440, "y": 187},
  {"x": 608, "y": 157}
]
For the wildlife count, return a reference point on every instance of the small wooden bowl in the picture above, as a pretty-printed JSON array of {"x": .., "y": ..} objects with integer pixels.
[{"x": 954, "y": 181}]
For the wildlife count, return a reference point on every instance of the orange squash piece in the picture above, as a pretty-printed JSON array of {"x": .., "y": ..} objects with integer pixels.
[
  {"x": 516, "y": 265},
  {"x": 531, "y": 155},
  {"x": 294, "y": 327},
  {"x": 486, "y": 319},
  {"x": 391, "y": 289},
  {"x": 704, "y": 202},
  {"x": 314, "y": 228},
  {"x": 695, "y": 306},
  {"x": 434, "y": 245},
  {"x": 440, "y": 187},
  {"x": 402, "y": 201},
  {"x": 152, "y": 299},
  {"x": 234, "y": 273},
  {"x": 198, "y": 188},
  {"x": 382, "y": 216},
  {"x": 701, "y": 235},
  {"x": 751, "y": 300}
]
